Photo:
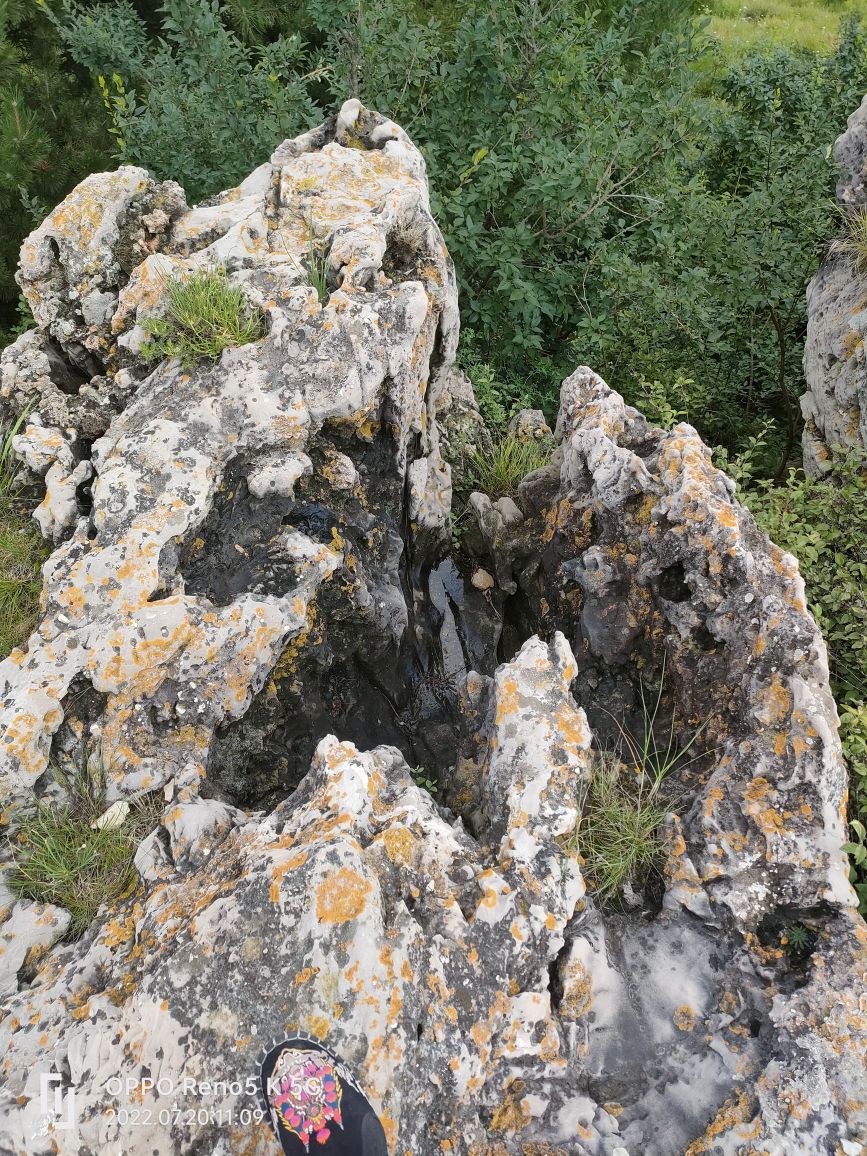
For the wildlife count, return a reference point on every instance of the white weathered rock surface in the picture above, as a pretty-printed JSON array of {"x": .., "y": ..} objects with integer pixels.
[
  {"x": 835, "y": 364},
  {"x": 172, "y": 664}
]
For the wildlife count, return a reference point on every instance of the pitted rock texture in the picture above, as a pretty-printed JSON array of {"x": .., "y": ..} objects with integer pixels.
[
  {"x": 485, "y": 1006},
  {"x": 835, "y": 367},
  {"x": 645, "y": 554},
  {"x": 252, "y": 574},
  {"x": 223, "y": 497},
  {"x": 850, "y": 152},
  {"x": 74, "y": 264}
]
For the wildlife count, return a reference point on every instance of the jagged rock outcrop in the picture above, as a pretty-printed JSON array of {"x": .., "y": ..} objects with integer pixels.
[
  {"x": 645, "y": 553},
  {"x": 835, "y": 364},
  {"x": 850, "y": 152},
  {"x": 254, "y": 608},
  {"x": 224, "y": 496}
]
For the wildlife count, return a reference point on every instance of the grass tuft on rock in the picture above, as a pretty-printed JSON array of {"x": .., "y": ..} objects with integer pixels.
[
  {"x": 498, "y": 469},
  {"x": 854, "y": 243},
  {"x": 62, "y": 856},
  {"x": 316, "y": 265},
  {"x": 624, "y": 805},
  {"x": 617, "y": 835},
  {"x": 204, "y": 316}
]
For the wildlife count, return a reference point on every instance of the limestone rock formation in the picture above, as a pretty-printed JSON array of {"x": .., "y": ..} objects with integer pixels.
[
  {"x": 850, "y": 152},
  {"x": 255, "y": 608},
  {"x": 835, "y": 364},
  {"x": 224, "y": 496}
]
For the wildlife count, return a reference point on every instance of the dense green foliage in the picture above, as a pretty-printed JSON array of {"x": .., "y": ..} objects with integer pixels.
[
  {"x": 198, "y": 104},
  {"x": 49, "y": 135},
  {"x": 611, "y": 192},
  {"x": 690, "y": 274}
]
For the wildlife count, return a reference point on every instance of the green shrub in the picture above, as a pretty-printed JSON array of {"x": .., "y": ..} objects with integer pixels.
[
  {"x": 61, "y": 855},
  {"x": 665, "y": 403},
  {"x": 611, "y": 192},
  {"x": 823, "y": 522},
  {"x": 195, "y": 103},
  {"x": 204, "y": 316},
  {"x": 499, "y": 399},
  {"x": 52, "y": 133}
]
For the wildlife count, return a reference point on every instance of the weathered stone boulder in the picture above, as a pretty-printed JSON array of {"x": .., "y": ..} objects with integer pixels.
[
  {"x": 483, "y": 1005},
  {"x": 638, "y": 552},
  {"x": 850, "y": 152},
  {"x": 254, "y": 608},
  {"x": 224, "y": 496},
  {"x": 835, "y": 366}
]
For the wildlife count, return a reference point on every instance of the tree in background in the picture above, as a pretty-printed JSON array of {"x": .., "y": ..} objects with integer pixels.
[
  {"x": 196, "y": 103},
  {"x": 610, "y": 191},
  {"x": 49, "y": 136}
]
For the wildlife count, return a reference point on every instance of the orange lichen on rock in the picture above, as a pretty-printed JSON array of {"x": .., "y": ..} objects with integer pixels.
[{"x": 342, "y": 896}]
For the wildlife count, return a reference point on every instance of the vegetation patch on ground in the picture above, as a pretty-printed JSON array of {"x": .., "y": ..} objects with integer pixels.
[
  {"x": 78, "y": 854},
  {"x": 748, "y": 25},
  {"x": 22, "y": 552}
]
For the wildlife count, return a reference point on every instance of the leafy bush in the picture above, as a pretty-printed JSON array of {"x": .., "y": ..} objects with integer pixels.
[
  {"x": 204, "y": 316},
  {"x": 609, "y": 201},
  {"x": 611, "y": 193},
  {"x": 197, "y": 104},
  {"x": 51, "y": 134},
  {"x": 22, "y": 553}
]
